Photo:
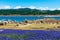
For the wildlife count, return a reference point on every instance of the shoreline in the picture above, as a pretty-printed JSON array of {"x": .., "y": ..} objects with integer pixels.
[{"x": 29, "y": 15}]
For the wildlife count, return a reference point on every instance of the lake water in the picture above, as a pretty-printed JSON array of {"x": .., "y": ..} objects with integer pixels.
[{"x": 22, "y": 18}]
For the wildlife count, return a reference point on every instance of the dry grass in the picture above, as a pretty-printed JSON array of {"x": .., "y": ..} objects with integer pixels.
[{"x": 29, "y": 26}]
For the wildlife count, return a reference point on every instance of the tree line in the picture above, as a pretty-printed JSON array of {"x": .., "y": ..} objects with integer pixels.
[{"x": 27, "y": 11}]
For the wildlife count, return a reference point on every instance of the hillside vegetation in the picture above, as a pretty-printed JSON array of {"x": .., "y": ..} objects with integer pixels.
[{"x": 27, "y": 11}]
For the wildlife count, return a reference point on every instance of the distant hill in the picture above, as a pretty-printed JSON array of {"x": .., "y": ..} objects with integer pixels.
[{"x": 27, "y": 11}]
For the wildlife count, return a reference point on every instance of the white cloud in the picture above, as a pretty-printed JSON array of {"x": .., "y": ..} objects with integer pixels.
[
  {"x": 46, "y": 8},
  {"x": 17, "y": 7},
  {"x": 43, "y": 8},
  {"x": 5, "y": 7},
  {"x": 52, "y": 9},
  {"x": 58, "y": 9},
  {"x": 32, "y": 7}
]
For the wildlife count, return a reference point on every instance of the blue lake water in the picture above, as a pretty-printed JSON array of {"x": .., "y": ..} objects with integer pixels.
[{"x": 22, "y": 18}]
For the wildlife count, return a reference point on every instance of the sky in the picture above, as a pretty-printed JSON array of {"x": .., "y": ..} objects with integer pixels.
[{"x": 33, "y": 4}]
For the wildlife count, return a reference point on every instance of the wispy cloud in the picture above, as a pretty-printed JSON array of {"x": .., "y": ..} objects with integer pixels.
[
  {"x": 43, "y": 8},
  {"x": 47, "y": 8},
  {"x": 17, "y": 7},
  {"x": 5, "y": 7},
  {"x": 32, "y": 7},
  {"x": 58, "y": 9},
  {"x": 52, "y": 9}
]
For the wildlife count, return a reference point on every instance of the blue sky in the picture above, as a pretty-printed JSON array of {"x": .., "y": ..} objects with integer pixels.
[{"x": 37, "y": 4}]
